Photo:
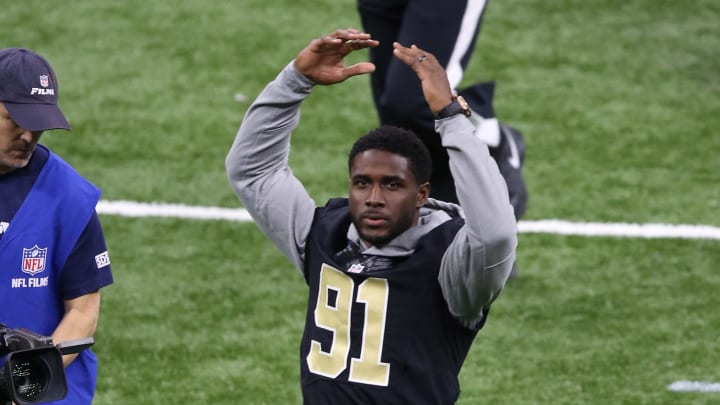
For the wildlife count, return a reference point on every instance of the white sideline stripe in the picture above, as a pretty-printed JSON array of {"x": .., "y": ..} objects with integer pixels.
[
  {"x": 694, "y": 386},
  {"x": 620, "y": 229},
  {"x": 137, "y": 209}
]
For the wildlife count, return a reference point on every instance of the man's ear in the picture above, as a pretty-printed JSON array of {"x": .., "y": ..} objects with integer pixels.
[{"x": 423, "y": 194}]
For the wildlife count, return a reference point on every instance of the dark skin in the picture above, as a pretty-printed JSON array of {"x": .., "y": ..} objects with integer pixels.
[
  {"x": 385, "y": 198},
  {"x": 322, "y": 61}
]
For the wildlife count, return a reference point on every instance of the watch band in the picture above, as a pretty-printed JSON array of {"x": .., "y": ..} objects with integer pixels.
[{"x": 458, "y": 105}]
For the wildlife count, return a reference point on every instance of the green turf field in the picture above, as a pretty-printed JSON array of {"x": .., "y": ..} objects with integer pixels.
[{"x": 619, "y": 102}]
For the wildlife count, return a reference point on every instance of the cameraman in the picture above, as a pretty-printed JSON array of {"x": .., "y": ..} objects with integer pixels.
[{"x": 53, "y": 254}]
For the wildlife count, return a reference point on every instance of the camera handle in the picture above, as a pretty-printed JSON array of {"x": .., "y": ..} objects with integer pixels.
[{"x": 75, "y": 346}]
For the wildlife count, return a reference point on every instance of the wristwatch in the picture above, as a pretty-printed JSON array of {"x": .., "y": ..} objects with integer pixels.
[{"x": 458, "y": 105}]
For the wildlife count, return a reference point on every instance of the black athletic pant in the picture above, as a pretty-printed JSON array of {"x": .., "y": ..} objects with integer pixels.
[{"x": 446, "y": 28}]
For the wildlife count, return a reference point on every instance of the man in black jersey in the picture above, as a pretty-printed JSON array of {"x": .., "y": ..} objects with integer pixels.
[{"x": 399, "y": 283}]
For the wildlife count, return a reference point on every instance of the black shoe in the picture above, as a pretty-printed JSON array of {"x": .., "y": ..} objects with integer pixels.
[{"x": 510, "y": 157}]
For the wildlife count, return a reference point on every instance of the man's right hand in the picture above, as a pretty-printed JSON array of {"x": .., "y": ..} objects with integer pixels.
[{"x": 322, "y": 61}]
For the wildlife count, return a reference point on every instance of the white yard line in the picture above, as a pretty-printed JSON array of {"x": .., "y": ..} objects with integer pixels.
[
  {"x": 694, "y": 386},
  {"x": 136, "y": 209},
  {"x": 620, "y": 229},
  {"x": 550, "y": 226}
]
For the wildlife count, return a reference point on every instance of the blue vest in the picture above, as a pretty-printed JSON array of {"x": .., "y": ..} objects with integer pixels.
[{"x": 33, "y": 252}]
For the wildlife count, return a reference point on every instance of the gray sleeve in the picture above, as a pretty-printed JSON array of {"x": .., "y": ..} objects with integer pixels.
[
  {"x": 257, "y": 165},
  {"x": 477, "y": 263}
]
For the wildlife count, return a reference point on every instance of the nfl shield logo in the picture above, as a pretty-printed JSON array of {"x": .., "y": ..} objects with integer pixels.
[
  {"x": 33, "y": 260},
  {"x": 44, "y": 80}
]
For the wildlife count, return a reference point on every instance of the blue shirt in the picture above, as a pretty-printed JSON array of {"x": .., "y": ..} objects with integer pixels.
[
  {"x": 80, "y": 274},
  {"x": 51, "y": 249}
]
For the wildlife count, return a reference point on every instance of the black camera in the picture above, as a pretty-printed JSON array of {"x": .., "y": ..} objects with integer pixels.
[{"x": 33, "y": 371}]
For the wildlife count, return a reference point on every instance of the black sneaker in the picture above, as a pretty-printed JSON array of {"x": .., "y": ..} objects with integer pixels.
[{"x": 510, "y": 157}]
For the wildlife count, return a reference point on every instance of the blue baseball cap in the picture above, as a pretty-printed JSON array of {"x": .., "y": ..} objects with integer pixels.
[{"x": 29, "y": 91}]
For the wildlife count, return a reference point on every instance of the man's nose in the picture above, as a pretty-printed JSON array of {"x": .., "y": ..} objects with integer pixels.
[
  {"x": 29, "y": 136},
  {"x": 375, "y": 196}
]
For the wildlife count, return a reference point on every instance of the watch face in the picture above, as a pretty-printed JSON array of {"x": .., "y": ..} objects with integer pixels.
[
  {"x": 457, "y": 106},
  {"x": 464, "y": 105}
]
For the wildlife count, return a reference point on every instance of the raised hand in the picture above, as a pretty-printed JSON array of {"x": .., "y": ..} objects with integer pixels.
[
  {"x": 433, "y": 78},
  {"x": 322, "y": 61}
]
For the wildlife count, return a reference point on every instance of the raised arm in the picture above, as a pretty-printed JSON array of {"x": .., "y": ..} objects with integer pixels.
[
  {"x": 478, "y": 262},
  {"x": 257, "y": 163}
]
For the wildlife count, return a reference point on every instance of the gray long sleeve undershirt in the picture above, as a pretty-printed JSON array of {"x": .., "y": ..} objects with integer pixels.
[{"x": 475, "y": 266}]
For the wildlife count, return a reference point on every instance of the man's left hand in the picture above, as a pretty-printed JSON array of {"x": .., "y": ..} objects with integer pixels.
[{"x": 432, "y": 75}]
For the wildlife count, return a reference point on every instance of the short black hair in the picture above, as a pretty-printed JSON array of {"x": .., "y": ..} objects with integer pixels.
[{"x": 401, "y": 142}]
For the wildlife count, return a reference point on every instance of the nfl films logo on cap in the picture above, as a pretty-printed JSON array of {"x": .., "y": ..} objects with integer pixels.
[
  {"x": 44, "y": 80},
  {"x": 33, "y": 260}
]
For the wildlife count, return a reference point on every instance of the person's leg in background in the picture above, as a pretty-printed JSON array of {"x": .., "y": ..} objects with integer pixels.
[{"x": 449, "y": 30}]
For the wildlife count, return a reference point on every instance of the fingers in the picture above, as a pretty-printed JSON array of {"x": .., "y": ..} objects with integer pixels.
[
  {"x": 323, "y": 60},
  {"x": 361, "y": 42},
  {"x": 356, "y": 44},
  {"x": 350, "y": 34},
  {"x": 346, "y": 40},
  {"x": 359, "y": 69},
  {"x": 432, "y": 75},
  {"x": 413, "y": 55}
]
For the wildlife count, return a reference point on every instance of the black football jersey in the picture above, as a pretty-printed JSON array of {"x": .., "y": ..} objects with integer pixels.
[{"x": 378, "y": 333}]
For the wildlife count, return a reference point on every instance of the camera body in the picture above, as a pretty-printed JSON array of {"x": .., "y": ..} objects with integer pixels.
[{"x": 33, "y": 370}]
